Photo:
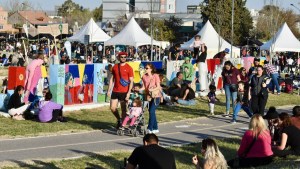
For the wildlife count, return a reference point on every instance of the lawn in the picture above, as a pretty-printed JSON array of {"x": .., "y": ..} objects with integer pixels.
[
  {"x": 114, "y": 160},
  {"x": 101, "y": 118}
]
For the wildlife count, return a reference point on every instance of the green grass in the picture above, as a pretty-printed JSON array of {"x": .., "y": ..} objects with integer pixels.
[
  {"x": 102, "y": 118},
  {"x": 114, "y": 160}
]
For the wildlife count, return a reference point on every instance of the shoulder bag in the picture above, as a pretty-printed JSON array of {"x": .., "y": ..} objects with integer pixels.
[
  {"x": 153, "y": 94},
  {"x": 122, "y": 81}
]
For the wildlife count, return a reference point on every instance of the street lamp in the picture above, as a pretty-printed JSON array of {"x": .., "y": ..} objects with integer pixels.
[{"x": 295, "y": 7}]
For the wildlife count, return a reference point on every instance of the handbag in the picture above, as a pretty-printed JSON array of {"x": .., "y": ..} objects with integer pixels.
[
  {"x": 236, "y": 161},
  {"x": 123, "y": 81},
  {"x": 233, "y": 88},
  {"x": 153, "y": 94}
]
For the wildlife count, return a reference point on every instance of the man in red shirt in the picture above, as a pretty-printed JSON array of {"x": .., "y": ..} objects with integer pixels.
[{"x": 122, "y": 82}]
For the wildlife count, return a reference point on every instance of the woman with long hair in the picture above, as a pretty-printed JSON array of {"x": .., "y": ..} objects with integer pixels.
[
  {"x": 231, "y": 76},
  {"x": 213, "y": 158},
  {"x": 290, "y": 136},
  {"x": 255, "y": 149},
  {"x": 151, "y": 84},
  {"x": 16, "y": 107}
]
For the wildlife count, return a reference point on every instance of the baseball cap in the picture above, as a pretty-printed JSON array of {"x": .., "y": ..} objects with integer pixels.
[
  {"x": 226, "y": 50},
  {"x": 123, "y": 53}
]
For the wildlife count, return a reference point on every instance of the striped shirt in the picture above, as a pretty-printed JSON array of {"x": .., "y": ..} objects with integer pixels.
[{"x": 270, "y": 69}]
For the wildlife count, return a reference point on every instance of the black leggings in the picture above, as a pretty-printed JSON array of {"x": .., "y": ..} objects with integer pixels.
[
  {"x": 56, "y": 114},
  {"x": 258, "y": 104},
  {"x": 196, "y": 52},
  {"x": 251, "y": 162}
]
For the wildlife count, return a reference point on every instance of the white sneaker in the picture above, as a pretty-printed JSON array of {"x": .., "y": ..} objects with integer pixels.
[
  {"x": 233, "y": 122},
  {"x": 155, "y": 131},
  {"x": 149, "y": 131}
]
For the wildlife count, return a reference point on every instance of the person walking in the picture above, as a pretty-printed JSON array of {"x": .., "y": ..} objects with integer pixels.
[
  {"x": 231, "y": 76},
  {"x": 121, "y": 84},
  {"x": 273, "y": 73},
  {"x": 151, "y": 85},
  {"x": 258, "y": 93}
]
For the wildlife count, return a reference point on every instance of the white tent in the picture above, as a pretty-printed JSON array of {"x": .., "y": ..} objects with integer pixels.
[
  {"x": 212, "y": 40},
  {"x": 131, "y": 35},
  {"x": 96, "y": 34},
  {"x": 284, "y": 40}
]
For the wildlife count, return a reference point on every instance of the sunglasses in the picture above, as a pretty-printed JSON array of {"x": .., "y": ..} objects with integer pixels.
[{"x": 124, "y": 57}]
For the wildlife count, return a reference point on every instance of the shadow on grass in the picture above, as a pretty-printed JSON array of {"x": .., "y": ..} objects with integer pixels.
[
  {"x": 37, "y": 165},
  {"x": 96, "y": 124},
  {"x": 107, "y": 160}
]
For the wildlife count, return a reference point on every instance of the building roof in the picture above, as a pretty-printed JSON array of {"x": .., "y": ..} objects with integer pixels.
[{"x": 36, "y": 17}]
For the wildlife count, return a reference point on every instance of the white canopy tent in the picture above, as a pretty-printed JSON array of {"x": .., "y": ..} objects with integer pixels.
[
  {"x": 213, "y": 41},
  {"x": 283, "y": 40},
  {"x": 131, "y": 35},
  {"x": 96, "y": 34}
]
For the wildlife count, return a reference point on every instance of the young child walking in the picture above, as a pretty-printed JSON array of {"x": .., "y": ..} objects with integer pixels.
[
  {"x": 133, "y": 113},
  {"x": 212, "y": 98},
  {"x": 242, "y": 102}
]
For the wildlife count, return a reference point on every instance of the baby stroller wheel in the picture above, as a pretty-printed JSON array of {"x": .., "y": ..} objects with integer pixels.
[
  {"x": 135, "y": 133},
  {"x": 120, "y": 132}
]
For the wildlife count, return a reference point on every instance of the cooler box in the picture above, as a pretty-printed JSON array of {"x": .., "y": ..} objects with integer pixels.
[{"x": 16, "y": 76}]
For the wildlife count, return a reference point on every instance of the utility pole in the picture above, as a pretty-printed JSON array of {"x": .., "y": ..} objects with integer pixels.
[
  {"x": 232, "y": 21},
  {"x": 151, "y": 30}
]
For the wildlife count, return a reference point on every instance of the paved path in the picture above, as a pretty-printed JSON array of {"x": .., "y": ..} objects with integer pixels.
[{"x": 75, "y": 145}]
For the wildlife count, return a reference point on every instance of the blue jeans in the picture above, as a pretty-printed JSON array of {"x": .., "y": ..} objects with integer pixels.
[
  {"x": 186, "y": 102},
  {"x": 152, "y": 124},
  {"x": 238, "y": 107},
  {"x": 229, "y": 95},
  {"x": 275, "y": 82}
]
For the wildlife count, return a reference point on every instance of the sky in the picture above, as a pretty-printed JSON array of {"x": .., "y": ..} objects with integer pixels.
[{"x": 181, "y": 4}]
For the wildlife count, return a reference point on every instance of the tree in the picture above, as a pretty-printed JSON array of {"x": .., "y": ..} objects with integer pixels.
[
  {"x": 97, "y": 13},
  {"x": 271, "y": 18},
  {"x": 173, "y": 25},
  {"x": 67, "y": 8},
  {"x": 17, "y": 5},
  {"x": 218, "y": 12}
]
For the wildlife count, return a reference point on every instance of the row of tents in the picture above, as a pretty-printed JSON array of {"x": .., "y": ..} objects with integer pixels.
[{"x": 133, "y": 35}]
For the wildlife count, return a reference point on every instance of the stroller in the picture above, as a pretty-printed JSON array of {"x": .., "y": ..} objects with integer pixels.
[{"x": 139, "y": 127}]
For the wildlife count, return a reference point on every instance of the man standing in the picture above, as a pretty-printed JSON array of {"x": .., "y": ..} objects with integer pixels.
[
  {"x": 122, "y": 82},
  {"x": 151, "y": 155}
]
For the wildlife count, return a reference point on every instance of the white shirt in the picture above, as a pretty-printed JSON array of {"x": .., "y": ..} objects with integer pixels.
[
  {"x": 290, "y": 61},
  {"x": 100, "y": 48}
]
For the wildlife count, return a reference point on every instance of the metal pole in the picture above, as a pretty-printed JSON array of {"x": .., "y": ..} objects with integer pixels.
[
  {"x": 232, "y": 21},
  {"x": 151, "y": 34}
]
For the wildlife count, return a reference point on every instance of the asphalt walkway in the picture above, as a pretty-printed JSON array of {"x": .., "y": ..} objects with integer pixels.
[{"x": 79, "y": 144}]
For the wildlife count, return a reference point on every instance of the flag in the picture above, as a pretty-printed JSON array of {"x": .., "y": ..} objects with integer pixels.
[{"x": 25, "y": 29}]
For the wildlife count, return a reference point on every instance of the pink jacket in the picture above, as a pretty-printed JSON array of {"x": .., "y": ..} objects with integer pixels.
[
  {"x": 31, "y": 80},
  {"x": 261, "y": 147},
  {"x": 135, "y": 111}
]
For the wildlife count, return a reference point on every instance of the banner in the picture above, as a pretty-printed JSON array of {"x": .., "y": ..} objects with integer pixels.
[
  {"x": 57, "y": 82},
  {"x": 25, "y": 29},
  {"x": 68, "y": 48},
  {"x": 99, "y": 74},
  {"x": 247, "y": 62}
]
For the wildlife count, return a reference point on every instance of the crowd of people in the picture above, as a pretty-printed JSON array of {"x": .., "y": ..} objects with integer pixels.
[{"x": 244, "y": 89}]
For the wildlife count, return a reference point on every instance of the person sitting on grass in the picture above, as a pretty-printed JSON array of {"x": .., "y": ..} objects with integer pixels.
[
  {"x": 290, "y": 137},
  {"x": 255, "y": 149},
  {"x": 151, "y": 155},
  {"x": 272, "y": 118},
  {"x": 241, "y": 102},
  {"x": 50, "y": 111},
  {"x": 295, "y": 119},
  {"x": 187, "y": 96},
  {"x": 16, "y": 107},
  {"x": 213, "y": 158},
  {"x": 133, "y": 113}
]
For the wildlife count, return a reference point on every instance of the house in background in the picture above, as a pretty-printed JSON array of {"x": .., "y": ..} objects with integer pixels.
[
  {"x": 38, "y": 22},
  {"x": 4, "y": 26}
]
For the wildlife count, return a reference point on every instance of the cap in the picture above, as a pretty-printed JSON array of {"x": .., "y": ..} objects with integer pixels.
[
  {"x": 226, "y": 50},
  {"x": 271, "y": 114},
  {"x": 187, "y": 58},
  {"x": 123, "y": 53}
]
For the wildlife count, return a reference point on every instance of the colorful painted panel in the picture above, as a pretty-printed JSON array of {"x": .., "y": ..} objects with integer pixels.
[
  {"x": 247, "y": 62},
  {"x": 57, "y": 82},
  {"x": 16, "y": 76},
  {"x": 136, "y": 71},
  {"x": 172, "y": 68},
  {"x": 99, "y": 75}
]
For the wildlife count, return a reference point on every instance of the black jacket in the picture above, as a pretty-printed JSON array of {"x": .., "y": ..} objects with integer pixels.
[{"x": 14, "y": 101}]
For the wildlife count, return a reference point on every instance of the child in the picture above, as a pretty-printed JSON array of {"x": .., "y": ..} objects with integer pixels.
[
  {"x": 196, "y": 45},
  {"x": 135, "y": 93},
  {"x": 212, "y": 98},
  {"x": 241, "y": 102},
  {"x": 133, "y": 113}
]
